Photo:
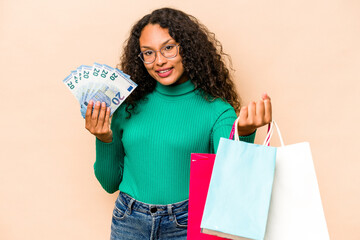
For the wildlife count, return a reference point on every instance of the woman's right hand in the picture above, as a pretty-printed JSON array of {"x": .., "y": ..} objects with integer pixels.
[{"x": 97, "y": 121}]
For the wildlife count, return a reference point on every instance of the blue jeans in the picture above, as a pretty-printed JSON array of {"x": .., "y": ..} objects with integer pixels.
[{"x": 134, "y": 220}]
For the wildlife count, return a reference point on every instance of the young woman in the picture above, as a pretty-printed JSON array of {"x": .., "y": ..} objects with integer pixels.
[{"x": 185, "y": 101}]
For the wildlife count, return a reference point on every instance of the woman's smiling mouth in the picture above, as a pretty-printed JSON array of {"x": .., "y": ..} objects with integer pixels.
[{"x": 164, "y": 72}]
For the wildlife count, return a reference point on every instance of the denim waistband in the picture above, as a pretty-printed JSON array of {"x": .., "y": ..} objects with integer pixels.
[{"x": 152, "y": 209}]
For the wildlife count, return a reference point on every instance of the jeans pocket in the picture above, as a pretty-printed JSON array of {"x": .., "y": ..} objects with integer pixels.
[
  {"x": 119, "y": 211},
  {"x": 181, "y": 219}
]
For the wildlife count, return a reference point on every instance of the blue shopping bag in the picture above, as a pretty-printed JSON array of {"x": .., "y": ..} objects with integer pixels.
[{"x": 239, "y": 194}]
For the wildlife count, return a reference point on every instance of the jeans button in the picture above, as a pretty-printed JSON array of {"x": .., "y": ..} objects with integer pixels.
[{"x": 153, "y": 209}]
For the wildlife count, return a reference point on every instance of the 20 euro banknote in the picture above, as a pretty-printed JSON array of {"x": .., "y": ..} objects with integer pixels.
[{"x": 101, "y": 83}]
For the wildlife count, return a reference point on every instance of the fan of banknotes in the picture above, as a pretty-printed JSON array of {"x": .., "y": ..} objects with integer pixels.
[{"x": 99, "y": 82}]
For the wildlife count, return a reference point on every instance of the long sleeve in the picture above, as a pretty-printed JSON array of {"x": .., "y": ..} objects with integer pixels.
[
  {"x": 109, "y": 164},
  {"x": 223, "y": 126}
]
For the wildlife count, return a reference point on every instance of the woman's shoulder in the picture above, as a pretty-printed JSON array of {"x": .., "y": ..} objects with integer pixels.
[
  {"x": 215, "y": 107},
  {"x": 119, "y": 113},
  {"x": 221, "y": 103},
  {"x": 215, "y": 103}
]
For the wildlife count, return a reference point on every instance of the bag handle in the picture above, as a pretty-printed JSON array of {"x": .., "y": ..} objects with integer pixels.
[
  {"x": 270, "y": 133},
  {"x": 231, "y": 137},
  {"x": 234, "y": 132}
]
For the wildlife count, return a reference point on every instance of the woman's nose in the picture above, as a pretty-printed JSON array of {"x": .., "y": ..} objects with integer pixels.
[{"x": 160, "y": 59}]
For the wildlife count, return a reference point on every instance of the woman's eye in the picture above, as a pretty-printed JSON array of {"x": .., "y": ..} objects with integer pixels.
[
  {"x": 168, "y": 47},
  {"x": 148, "y": 53}
]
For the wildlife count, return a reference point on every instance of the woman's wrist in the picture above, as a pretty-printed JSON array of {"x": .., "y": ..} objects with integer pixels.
[
  {"x": 246, "y": 132},
  {"x": 105, "y": 138}
]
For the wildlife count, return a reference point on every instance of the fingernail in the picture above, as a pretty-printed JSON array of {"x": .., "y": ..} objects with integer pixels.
[
  {"x": 91, "y": 102},
  {"x": 98, "y": 103}
]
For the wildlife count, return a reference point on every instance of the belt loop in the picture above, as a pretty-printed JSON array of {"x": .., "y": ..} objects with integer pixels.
[
  {"x": 130, "y": 206},
  {"x": 169, "y": 208}
]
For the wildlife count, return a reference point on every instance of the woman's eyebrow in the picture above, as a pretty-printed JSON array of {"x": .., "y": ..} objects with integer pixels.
[{"x": 167, "y": 41}]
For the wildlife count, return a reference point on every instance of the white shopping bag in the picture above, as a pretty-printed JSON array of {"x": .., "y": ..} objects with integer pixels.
[{"x": 296, "y": 211}]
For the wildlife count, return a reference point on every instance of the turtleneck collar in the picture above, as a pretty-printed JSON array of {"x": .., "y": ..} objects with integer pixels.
[{"x": 176, "y": 90}]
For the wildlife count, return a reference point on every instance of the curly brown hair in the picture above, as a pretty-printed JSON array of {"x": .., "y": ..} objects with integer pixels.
[{"x": 202, "y": 57}]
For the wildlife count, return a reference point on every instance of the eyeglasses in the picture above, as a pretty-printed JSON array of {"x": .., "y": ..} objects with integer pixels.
[{"x": 168, "y": 51}]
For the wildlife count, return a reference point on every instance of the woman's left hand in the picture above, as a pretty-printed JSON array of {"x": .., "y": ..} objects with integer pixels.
[{"x": 255, "y": 115}]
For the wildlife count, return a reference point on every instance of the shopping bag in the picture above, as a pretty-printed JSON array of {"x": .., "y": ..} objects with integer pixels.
[
  {"x": 238, "y": 198},
  {"x": 200, "y": 173},
  {"x": 296, "y": 211}
]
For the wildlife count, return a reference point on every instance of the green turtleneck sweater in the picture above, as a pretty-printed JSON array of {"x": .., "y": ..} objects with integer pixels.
[{"x": 149, "y": 157}]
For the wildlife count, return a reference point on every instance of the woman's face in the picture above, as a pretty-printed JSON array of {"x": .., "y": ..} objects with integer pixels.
[{"x": 165, "y": 71}]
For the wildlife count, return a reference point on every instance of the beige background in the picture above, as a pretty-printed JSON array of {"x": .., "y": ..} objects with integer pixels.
[{"x": 305, "y": 54}]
